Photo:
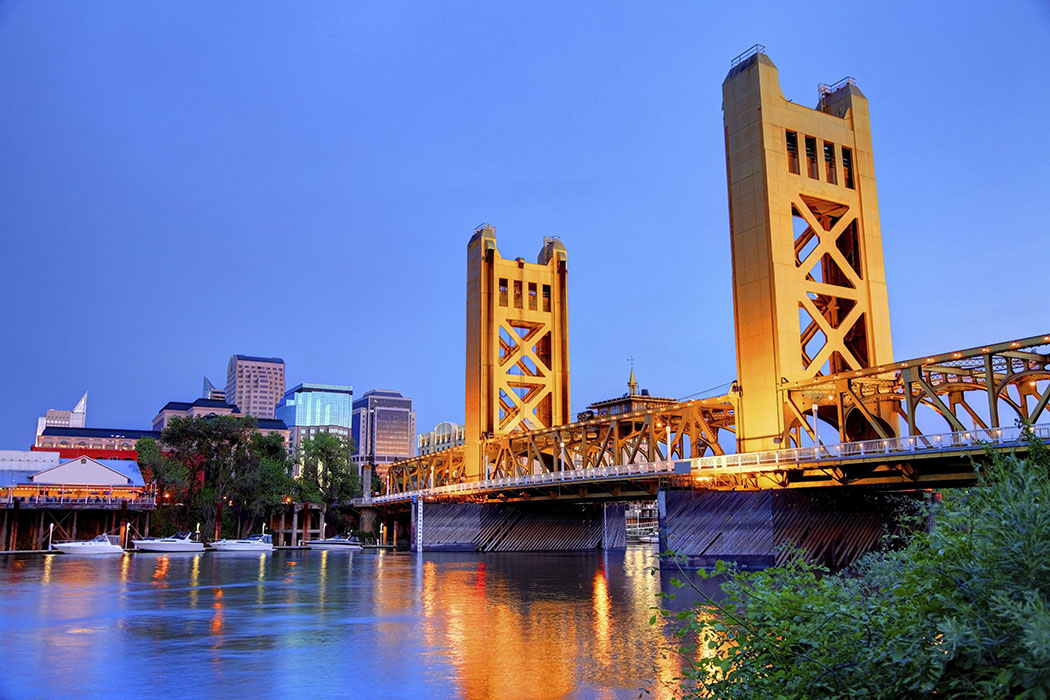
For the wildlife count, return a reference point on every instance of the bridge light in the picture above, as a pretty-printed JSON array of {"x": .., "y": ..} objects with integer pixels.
[
  {"x": 1014, "y": 345},
  {"x": 984, "y": 349}
]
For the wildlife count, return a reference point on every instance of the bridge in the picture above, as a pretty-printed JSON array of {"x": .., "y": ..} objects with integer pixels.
[{"x": 821, "y": 426}]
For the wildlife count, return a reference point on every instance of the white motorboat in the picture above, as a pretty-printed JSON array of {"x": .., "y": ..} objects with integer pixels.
[
  {"x": 651, "y": 538},
  {"x": 103, "y": 544},
  {"x": 343, "y": 542},
  {"x": 252, "y": 543},
  {"x": 181, "y": 542}
]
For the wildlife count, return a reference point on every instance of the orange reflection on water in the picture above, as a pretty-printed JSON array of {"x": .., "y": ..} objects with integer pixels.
[
  {"x": 600, "y": 598},
  {"x": 160, "y": 572},
  {"x": 507, "y": 638},
  {"x": 216, "y": 620}
]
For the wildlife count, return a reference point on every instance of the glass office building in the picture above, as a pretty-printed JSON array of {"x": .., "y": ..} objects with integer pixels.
[
  {"x": 384, "y": 428},
  {"x": 309, "y": 409}
]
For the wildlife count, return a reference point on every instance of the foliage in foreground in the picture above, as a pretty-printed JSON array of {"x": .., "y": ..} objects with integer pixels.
[{"x": 962, "y": 611}]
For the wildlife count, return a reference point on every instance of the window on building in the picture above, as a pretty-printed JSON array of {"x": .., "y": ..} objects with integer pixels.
[
  {"x": 546, "y": 297},
  {"x": 532, "y": 296},
  {"x": 829, "y": 163},
  {"x": 517, "y": 294},
  {"x": 792, "y": 149},
  {"x": 811, "y": 157},
  {"x": 502, "y": 291},
  {"x": 847, "y": 167}
]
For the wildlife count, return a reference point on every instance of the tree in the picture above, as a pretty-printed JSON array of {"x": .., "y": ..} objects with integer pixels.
[
  {"x": 961, "y": 611},
  {"x": 169, "y": 475},
  {"x": 328, "y": 477},
  {"x": 215, "y": 451},
  {"x": 261, "y": 487}
]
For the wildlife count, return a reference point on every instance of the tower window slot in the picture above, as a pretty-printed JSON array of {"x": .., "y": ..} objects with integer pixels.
[
  {"x": 502, "y": 291},
  {"x": 829, "y": 163},
  {"x": 811, "y": 157},
  {"x": 847, "y": 167},
  {"x": 517, "y": 294},
  {"x": 546, "y": 297},
  {"x": 792, "y": 148},
  {"x": 532, "y": 296}
]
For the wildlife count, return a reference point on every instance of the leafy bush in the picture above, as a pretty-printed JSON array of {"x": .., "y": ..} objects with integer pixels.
[{"x": 962, "y": 611}]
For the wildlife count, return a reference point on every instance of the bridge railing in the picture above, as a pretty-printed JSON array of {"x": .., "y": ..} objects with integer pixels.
[
  {"x": 940, "y": 442},
  {"x": 746, "y": 461}
]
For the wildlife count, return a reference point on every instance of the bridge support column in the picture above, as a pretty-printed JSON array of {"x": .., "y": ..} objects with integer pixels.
[
  {"x": 369, "y": 516},
  {"x": 523, "y": 527},
  {"x": 750, "y": 528}
]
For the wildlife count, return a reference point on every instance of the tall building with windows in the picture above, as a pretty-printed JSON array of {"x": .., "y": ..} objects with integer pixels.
[
  {"x": 210, "y": 392},
  {"x": 444, "y": 436},
  {"x": 56, "y": 418},
  {"x": 309, "y": 409},
  {"x": 384, "y": 429},
  {"x": 255, "y": 384}
]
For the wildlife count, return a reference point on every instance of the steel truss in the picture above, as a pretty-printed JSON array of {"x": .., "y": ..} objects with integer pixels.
[
  {"x": 693, "y": 429},
  {"x": 1014, "y": 376}
]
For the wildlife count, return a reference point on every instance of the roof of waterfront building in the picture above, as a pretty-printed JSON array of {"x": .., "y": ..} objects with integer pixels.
[{"x": 101, "y": 433}]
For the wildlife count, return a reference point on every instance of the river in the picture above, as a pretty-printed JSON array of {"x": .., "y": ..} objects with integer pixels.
[{"x": 317, "y": 624}]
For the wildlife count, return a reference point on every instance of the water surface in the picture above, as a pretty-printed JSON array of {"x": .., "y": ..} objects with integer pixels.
[{"x": 333, "y": 624}]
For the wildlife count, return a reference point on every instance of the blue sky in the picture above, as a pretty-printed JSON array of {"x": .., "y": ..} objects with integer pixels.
[{"x": 183, "y": 181}]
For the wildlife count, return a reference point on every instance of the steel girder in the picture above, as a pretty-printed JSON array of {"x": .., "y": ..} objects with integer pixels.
[
  {"x": 693, "y": 428},
  {"x": 1014, "y": 378}
]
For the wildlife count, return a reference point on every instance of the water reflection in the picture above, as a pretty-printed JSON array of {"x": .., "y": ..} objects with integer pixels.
[{"x": 387, "y": 625}]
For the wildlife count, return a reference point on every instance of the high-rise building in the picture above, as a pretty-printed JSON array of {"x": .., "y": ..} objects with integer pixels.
[
  {"x": 444, "y": 436},
  {"x": 255, "y": 384},
  {"x": 384, "y": 429},
  {"x": 211, "y": 393},
  {"x": 56, "y": 418},
  {"x": 309, "y": 409}
]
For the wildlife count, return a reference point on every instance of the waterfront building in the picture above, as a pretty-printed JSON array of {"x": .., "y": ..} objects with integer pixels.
[
  {"x": 204, "y": 408},
  {"x": 255, "y": 384},
  {"x": 96, "y": 443},
  {"x": 210, "y": 392},
  {"x": 56, "y": 418},
  {"x": 444, "y": 436},
  {"x": 309, "y": 409},
  {"x": 41, "y": 490},
  {"x": 383, "y": 429},
  {"x": 633, "y": 400}
]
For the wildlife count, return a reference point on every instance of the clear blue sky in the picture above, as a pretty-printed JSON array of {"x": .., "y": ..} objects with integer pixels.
[{"x": 183, "y": 181}]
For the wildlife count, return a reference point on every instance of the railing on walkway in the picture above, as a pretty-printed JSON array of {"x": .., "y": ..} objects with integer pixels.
[{"x": 746, "y": 461}]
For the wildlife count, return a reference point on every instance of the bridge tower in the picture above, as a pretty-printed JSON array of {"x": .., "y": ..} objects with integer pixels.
[
  {"x": 809, "y": 287},
  {"x": 517, "y": 344}
]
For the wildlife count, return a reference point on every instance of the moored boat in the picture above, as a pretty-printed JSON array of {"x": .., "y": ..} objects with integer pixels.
[
  {"x": 343, "y": 542},
  {"x": 181, "y": 542},
  {"x": 252, "y": 543},
  {"x": 103, "y": 544}
]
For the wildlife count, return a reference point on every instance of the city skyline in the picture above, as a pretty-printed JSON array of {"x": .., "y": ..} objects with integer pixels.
[{"x": 598, "y": 128}]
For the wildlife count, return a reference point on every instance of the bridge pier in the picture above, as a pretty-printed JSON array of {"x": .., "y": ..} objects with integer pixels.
[
  {"x": 750, "y": 528},
  {"x": 519, "y": 527}
]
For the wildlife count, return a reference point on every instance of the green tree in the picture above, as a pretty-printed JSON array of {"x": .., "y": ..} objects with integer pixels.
[
  {"x": 169, "y": 475},
  {"x": 260, "y": 488},
  {"x": 961, "y": 611},
  {"x": 215, "y": 451},
  {"x": 327, "y": 478}
]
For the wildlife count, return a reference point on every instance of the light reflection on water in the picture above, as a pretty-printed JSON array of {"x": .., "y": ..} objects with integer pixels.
[{"x": 334, "y": 624}]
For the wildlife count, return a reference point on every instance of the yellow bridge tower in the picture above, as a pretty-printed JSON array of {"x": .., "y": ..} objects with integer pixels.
[
  {"x": 517, "y": 344},
  {"x": 809, "y": 287}
]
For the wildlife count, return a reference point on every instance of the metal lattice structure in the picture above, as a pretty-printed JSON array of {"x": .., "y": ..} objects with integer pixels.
[
  {"x": 692, "y": 429},
  {"x": 517, "y": 377}
]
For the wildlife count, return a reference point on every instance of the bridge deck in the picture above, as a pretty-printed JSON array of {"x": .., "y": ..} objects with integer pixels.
[{"x": 923, "y": 461}]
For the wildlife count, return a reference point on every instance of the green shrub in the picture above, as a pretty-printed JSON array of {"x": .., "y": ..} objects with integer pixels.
[{"x": 962, "y": 611}]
